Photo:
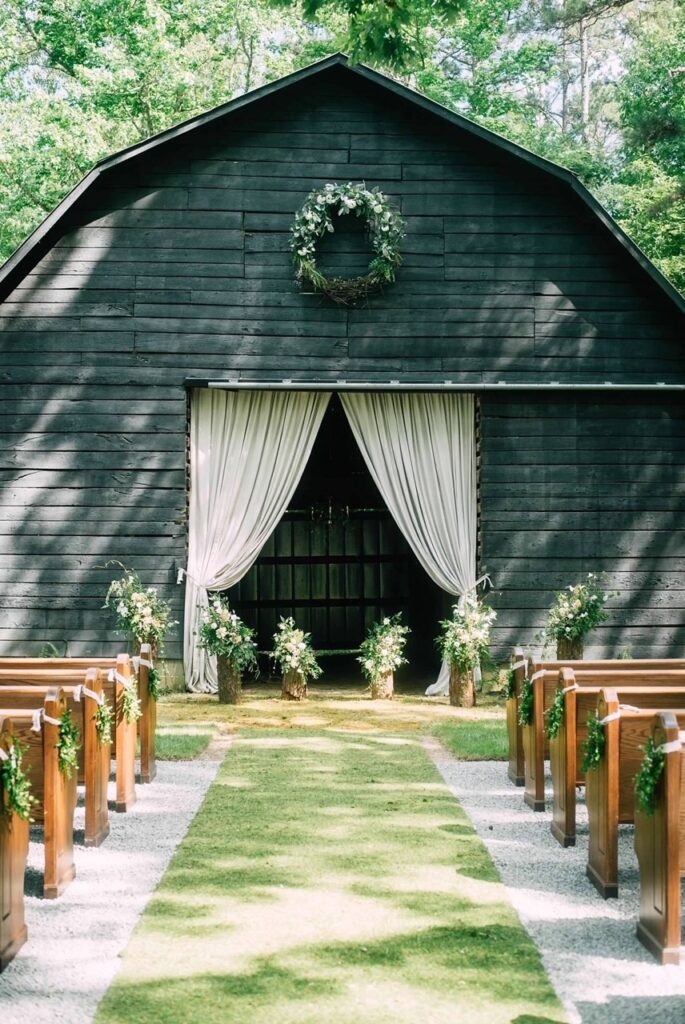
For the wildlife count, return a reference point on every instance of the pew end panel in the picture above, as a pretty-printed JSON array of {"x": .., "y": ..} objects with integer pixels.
[
  {"x": 14, "y": 848},
  {"x": 660, "y": 848},
  {"x": 515, "y": 769},
  {"x": 97, "y": 760},
  {"x": 147, "y": 723},
  {"x": 125, "y": 738}
]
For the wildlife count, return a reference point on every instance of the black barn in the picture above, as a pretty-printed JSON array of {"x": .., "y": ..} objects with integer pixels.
[{"x": 169, "y": 268}]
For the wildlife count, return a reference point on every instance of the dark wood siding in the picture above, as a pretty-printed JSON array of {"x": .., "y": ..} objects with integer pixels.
[
  {"x": 571, "y": 486},
  {"x": 176, "y": 265}
]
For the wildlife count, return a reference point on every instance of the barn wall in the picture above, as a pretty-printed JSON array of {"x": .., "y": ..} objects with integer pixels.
[
  {"x": 177, "y": 265},
  {"x": 586, "y": 485}
]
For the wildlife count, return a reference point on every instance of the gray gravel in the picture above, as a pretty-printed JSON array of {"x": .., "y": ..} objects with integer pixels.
[
  {"x": 600, "y": 971},
  {"x": 71, "y": 956}
]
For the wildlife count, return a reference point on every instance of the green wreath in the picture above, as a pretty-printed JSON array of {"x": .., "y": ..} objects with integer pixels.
[{"x": 314, "y": 220}]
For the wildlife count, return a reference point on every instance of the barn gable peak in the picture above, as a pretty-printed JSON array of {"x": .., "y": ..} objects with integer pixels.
[{"x": 27, "y": 255}]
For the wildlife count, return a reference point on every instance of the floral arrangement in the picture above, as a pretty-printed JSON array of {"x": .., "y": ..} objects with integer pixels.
[
  {"x": 130, "y": 703},
  {"x": 223, "y": 633},
  {"x": 68, "y": 744},
  {"x": 647, "y": 779},
  {"x": 293, "y": 651},
  {"x": 314, "y": 220},
  {"x": 577, "y": 610},
  {"x": 526, "y": 703},
  {"x": 465, "y": 638},
  {"x": 104, "y": 722},
  {"x": 140, "y": 612},
  {"x": 16, "y": 786},
  {"x": 594, "y": 746},
  {"x": 153, "y": 679},
  {"x": 555, "y": 715},
  {"x": 511, "y": 683},
  {"x": 382, "y": 652}
]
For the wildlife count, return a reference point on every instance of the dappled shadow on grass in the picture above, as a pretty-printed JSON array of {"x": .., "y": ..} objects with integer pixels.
[{"x": 342, "y": 861}]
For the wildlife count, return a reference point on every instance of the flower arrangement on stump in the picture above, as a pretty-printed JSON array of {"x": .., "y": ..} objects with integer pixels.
[
  {"x": 382, "y": 653},
  {"x": 141, "y": 613},
  {"x": 464, "y": 641},
  {"x": 295, "y": 657},
  {"x": 224, "y": 634},
  {"x": 575, "y": 612}
]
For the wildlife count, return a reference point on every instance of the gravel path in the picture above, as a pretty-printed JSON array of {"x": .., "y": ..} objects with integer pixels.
[
  {"x": 600, "y": 971},
  {"x": 64, "y": 969}
]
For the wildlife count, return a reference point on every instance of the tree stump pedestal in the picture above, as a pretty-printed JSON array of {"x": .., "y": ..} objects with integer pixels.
[
  {"x": 462, "y": 689},
  {"x": 294, "y": 686},
  {"x": 383, "y": 688},
  {"x": 570, "y": 650},
  {"x": 230, "y": 682}
]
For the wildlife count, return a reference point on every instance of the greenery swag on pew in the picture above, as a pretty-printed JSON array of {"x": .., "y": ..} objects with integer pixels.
[
  {"x": 555, "y": 715},
  {"x": 526, "y": 703},
  {"x": 647, "y": 779},
  {"x": 68, "y": 744},
  {"x": 15, "y": 783},
  {"x": 104, "y": 722},
  {"x": 314, "y": 220},
  {"x": 130, "y": 703},
  {"x": 594, "y": 746}
]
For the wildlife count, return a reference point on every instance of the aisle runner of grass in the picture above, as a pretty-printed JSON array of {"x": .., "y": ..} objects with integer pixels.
[{"x": 330, "y": 879}]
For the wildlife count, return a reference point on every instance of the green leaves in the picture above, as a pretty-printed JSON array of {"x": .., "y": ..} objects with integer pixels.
[
  {"x": 647, "y": 778},
  {"x": 526, "y": 703},
  {"x": 15, "y": 783},
  {"x": 68, "y": 744},
  {"x": 594, "y": 746}
]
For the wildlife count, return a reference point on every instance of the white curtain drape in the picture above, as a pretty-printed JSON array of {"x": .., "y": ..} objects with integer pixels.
[
  {"x": 248, "y": 450},
  {"x": 420, "y": 449}
]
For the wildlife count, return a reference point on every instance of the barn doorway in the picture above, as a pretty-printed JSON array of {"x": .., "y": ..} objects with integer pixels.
[{"x": 337, "y": 562}]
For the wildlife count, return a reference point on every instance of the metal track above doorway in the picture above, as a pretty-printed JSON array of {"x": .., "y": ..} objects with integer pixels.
[{"x": 287, "y": 384}]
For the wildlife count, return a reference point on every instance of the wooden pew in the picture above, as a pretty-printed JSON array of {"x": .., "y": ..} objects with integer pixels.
[
  {"x": 54, "y": 792},
  {"x": 545, "y": 677},
  {"x": 566, "y": 749},
  {"x": 519, "y": 666},
  {"x": 124, "y": 745},
  {"x": 610, "y": 786},
  {"x": 14, "y": 848},
  {"x": 94, "y": 756},
  {"x": 147, "y": 723},
  {"x": 660, "y": 848}
]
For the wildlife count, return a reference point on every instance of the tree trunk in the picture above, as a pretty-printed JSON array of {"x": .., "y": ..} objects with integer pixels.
[
  {"x": 294, "y": 686},
  {"x": 570, "y": 650},
  {"x": 462, "y": 690},
  {"x": 584, "y": 30},
  {"x": 383, "y": 687},
  {"x": 230, "y": 682}
]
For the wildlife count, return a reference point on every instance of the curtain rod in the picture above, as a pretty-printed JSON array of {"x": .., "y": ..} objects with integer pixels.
[{"x": 287, "y": 384}]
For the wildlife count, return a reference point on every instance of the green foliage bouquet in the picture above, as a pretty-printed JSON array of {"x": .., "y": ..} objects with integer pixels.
[
  {"x": 293, "y": 652},
  {"x": 382, "y": 652},
  {"x": 224, "y": 634},
  {"x": 15, "y": 782},
  {"x": 577, "y": 610},
  {"x": 140, "y": 612},
  {"x": 465, "y": 638}
]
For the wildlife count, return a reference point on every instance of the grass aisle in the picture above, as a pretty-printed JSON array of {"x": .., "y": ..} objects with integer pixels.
[{"x": 330, "y": 878}]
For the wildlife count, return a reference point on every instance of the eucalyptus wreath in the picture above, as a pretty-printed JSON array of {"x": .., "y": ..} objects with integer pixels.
[
  {"x": 314, "y": 220},
  {"x": 593, "y": 748},
  {"x": 647, "y": 779},
  {"x": 130, "y": 704},
  {"x": 68, "y": 744},
  {"x": 555, "y": 715},
  {"x": 526, "y": 703},
  {"x": 104, "y": 722},
  {"x": 16, "y": 786}
]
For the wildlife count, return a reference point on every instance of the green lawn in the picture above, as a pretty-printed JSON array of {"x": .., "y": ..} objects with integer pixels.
[
  {"x": 474, "y": 739},
  {"x": 182, "y": 743},
  {"x": 330, "y": 878}
]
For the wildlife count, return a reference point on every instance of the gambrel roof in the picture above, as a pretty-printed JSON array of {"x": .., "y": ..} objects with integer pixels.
[{"x": 28, "y": 254}]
